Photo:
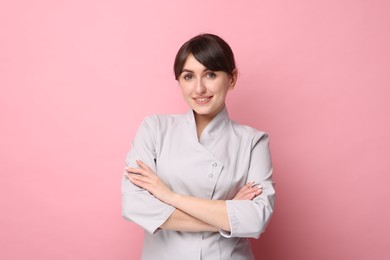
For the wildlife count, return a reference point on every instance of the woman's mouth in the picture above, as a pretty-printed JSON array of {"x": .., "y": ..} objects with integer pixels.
[{"x": 202, "y": 100}]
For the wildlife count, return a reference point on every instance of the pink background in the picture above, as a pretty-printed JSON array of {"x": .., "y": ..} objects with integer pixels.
[{"x": 77, "y": 78}]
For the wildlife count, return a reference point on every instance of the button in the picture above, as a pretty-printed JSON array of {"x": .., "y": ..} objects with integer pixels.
[
  {"x": 211, "y": 175},
  {"x": 214, "y": 164}
]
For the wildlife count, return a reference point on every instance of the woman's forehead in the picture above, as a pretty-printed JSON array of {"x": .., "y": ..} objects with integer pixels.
[{"x": 193, "y": 65}]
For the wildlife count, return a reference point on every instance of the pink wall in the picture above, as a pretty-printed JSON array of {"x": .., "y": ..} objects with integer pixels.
[{"x": 77, "y": 77}]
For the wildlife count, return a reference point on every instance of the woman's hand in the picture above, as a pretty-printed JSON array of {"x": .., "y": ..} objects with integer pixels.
[
  {"x": 145, "y": 178},
  {"x": 249, "y": 192}
]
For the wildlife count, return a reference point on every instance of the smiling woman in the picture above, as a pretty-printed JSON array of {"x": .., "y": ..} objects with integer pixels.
[
  {"x": 199, "y": 184},
  {"x": 205, "y": 90}
]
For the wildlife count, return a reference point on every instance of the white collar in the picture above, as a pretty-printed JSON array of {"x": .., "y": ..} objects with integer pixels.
[{"x": 212, "y": 129}]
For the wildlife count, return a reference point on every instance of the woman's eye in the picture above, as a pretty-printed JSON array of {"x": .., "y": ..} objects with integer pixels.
[
  {"x": 187, "y": 76},
  {"x": 211, "y": 75}
]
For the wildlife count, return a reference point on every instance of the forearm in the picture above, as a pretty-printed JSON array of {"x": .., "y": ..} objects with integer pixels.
[
  {"x": 181, "y": 221},
  {"x": 212, "y": 212}
]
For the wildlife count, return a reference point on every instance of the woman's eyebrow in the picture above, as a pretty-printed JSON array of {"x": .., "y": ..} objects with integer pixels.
[{"x": 188, "y": 70}]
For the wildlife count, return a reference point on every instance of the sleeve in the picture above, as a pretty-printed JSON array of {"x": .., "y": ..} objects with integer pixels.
[
  {"x": 249, "y": 218},
  {"x": 138, "y": 205}
]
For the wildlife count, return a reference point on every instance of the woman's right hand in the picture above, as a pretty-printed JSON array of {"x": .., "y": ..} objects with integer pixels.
[
  {"x": 145, "y": 178},
  {"x": 249, "y": 192}
]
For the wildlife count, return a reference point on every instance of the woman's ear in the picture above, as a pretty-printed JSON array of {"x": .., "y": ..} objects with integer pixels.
[{"x": 233, "y": 79}]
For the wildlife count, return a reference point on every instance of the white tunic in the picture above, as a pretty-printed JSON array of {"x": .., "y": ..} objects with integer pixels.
[{"x": 227, "y": 157}]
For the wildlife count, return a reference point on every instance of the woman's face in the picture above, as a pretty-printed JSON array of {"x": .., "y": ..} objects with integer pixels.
[{"x": 205, "y": 90}]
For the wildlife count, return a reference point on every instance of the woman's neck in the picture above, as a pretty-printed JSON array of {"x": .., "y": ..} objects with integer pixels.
[{"x": 202, "y": 121}]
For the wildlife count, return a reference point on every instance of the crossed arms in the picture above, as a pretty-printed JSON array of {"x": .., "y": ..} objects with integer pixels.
[{"x": 191, "y": 214}]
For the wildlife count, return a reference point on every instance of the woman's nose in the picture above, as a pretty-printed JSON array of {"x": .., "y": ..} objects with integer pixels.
[{"x": 200, "y": 88}]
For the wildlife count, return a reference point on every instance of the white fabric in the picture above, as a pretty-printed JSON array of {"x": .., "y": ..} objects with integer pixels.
[{"x": 227, "y": 157}]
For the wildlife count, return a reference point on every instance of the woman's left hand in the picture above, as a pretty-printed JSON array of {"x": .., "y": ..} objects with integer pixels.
[
  {"x": 249, "y": 191},
  {"x": 145, "y": 178}
]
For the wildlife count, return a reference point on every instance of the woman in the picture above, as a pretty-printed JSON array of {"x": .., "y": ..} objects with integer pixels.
[{"x": 199, "y": 184}]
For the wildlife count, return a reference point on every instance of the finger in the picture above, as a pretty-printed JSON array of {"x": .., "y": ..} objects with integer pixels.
[
  {"x": 258, "y": 192},
  {"x": 245, "y": 188},
  {"x": 258, "y": 188},
  {"x": 248, "y": 191},
  {"x": 245, "y": 192},
  {"x": 138, "y": 178},
  {"x": 253, "y": 189},
  {"x": 127, "y": 175},
  {"x": 254, "y": 184},
  {"x": 138, "y": 183},
  {"x": 253, "y": 192},
  {"x": 138, "y": 171},
  {"x": 143, "y": 165},
  {"x": 248, "y": 195},
  {"x": 134, "y": 170},
  {"x": 249, "y": 184}
]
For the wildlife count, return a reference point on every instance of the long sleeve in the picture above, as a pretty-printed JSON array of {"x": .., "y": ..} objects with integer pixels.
[
  {"x": 138, "y": 205},
  {"x": 216, "y": 167},
  {"x": 249, "y": 218}
]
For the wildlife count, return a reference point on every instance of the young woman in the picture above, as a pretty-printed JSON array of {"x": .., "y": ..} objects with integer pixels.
[{"x": 199, "y": 184}]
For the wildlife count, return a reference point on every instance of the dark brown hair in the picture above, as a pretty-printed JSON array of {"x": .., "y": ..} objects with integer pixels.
[{"x": 210, "y": 50}]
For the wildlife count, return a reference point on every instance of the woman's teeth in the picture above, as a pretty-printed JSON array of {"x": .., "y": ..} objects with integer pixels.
[{"x": 202, "y": 99}]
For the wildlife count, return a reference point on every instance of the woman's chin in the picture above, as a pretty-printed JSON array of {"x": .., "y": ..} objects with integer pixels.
[{"x": 201, "y": 111}]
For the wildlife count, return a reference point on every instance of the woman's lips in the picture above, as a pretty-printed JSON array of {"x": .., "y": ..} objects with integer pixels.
[{"x": 202, "y": 100}]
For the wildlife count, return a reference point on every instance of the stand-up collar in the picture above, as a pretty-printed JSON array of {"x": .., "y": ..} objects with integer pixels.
[{"x": 212, "y": 129}]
